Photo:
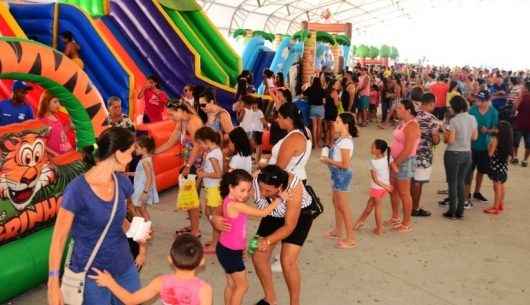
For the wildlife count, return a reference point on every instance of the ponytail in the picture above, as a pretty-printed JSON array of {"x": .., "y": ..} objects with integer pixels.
[
  {"x": 291, "y": 111},
  {"x": 107, "y": 144},
  {"x": 383, "y": 147},
  {"x": 348, "y": 119}
]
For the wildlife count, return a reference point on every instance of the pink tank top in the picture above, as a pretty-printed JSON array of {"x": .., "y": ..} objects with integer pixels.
[
  {"x": 236, "y": 238},
  {"x": 180, "y": 292},
  {"x": 398, "y": 141},
  {"x": 57, "y": 139}
]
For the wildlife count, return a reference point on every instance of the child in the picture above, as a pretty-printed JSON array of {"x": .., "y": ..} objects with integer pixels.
[
  {"x": 253, "y": 121},
  {"x": 144, "y": 178},
  {"x": 181, "y": 287},
  {"x": 339, "y": 162},
  {"x": 374, "y": 102},
  {"x": 242, "y": 152},
  {"x": 210, "y": 172},
  {"x": 499, "y": 150},
  {"x": 379, "y": 186},
  {"x": 57, "y": 139},
  {"x": 235, "y": 189}
]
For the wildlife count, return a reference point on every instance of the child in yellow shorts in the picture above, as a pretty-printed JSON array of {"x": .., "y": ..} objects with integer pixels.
[{"x": 211, "y": 172}]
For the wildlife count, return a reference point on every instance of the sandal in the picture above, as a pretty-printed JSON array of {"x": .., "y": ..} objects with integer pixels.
[
  {"x": 493, "y": 211},
  {"x": 403, "y": 228},
  {"x": 331, "y": 235},
  {"x": 345, "y": 245},
  {"x": 358, "y": 226},
  {"x": 392, "y": 221}
]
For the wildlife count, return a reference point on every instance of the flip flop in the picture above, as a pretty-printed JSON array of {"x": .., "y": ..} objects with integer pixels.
[
  {"x": 330, "y": 235},
  {"x": 403, "y": 229},
  {"x": 358, "y": 226},
  {"x": 392, "y": 221},
  {"x": 344, "y": 245},
  {"x": 492, "y": 211}
]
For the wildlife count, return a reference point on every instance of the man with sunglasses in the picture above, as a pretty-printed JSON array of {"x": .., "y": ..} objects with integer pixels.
[{"x": 487, "y": 119}]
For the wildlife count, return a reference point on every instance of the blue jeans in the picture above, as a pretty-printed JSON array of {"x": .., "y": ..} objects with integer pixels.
[
  {"x": 457, "y": 164},
  {"x": 341, "y": 179},
  {"x": 95, "y": 295},
  {"x": 406, "y": 169}
]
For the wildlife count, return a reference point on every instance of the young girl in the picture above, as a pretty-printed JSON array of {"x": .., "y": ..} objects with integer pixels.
[
  {"x": 374, "y": 102},
  {"x": 211, "y": 172},
  {"x": 242, "y": 152},
  {"x": 144, "y": 178},
  {"x": 235, "y": 189},
  {"x": 339, "y": 162},
  {"x": 181, "y": 287},
  {"x": 57, "y": 139},
  {"x": 499, "y": 150},
  {"x": 379, "y": 185}
]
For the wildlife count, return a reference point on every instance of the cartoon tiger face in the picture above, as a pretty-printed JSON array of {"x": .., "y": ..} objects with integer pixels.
[{"x": 24, "y": 169}]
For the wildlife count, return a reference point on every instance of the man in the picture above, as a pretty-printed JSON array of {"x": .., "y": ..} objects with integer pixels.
[
  {"x": 439, "y": 90},
  {"x": 499, "y": 91},
  {"x": 364, "y": 98},
  {"x": 155, "y": 100},
  {"x": 16, "y": 110},
  {"x": 430, "y": 136},
  {"x": 487, "y": 120},
  {"x": 116, "y": 118}
]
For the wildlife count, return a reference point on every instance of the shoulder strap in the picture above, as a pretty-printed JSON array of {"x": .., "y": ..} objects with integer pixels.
[{"x": 105, "y": 231}]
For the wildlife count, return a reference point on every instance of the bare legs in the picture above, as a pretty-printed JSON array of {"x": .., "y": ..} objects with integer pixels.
[
  {"x": 236, "y": 287},
  {"x": 336, "y": 232},
  {"x": 401, "y": 192},
  {"x": 316, "y": 130},
  {"x": 372, "y": 204},
  {"x": 344, "y": 217}
]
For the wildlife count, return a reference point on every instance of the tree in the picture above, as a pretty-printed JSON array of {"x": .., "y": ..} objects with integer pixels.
[
  {"x": 374, "y": 52},
  {"x": 385, "y": 51},
  {"x": 394, "y": 54},
  {"x": 362, "y": 51}
]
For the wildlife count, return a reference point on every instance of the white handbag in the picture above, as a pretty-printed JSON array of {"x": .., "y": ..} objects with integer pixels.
[{"x": 73, "y": 283}]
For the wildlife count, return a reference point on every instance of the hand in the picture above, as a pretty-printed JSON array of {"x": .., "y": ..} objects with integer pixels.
[
  {"x": 220, "y": 223},
  {"x": 285, "y": 195},
  {"x": 102, "y": 278},
  {"x": 201, "y": 173},
  {"x": 146, "y": 238},
  {"x": 264, "y": 245},
  {"x": 483, "y": 129},
  {"x": 143, "y": 198},
  {"x": 140, "y": 261},
  {"x": 55, "y": 296},
  {"x": 389, "y": 188},
  {"x": 394, "y": 167}
]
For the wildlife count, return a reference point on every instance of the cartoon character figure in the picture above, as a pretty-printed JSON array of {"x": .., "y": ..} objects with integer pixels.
[{"x": 24, "y": 167}]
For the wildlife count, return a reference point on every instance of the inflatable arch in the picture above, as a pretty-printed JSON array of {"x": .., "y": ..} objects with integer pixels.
[{"x": 31, "y": 185}]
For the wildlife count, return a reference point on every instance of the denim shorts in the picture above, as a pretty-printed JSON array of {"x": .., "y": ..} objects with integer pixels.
[
  {"x": 406, "y": 169},
  {"x": 363, "y": 103},
  {"x": 95, "y": 295},
  {"x": 341, "y": 179},
  {"x": 316, "y": 111}
]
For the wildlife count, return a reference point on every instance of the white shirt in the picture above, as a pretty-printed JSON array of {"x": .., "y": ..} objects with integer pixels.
[
  {"x": 207, "y": 167},
  {"x": 240, "y": 162},
  {"x": 297, "y": 164},
  {"x": 382, "y": 172},
  {"x": 257, "y": 124},
  {"x": 342, "y": 143}
]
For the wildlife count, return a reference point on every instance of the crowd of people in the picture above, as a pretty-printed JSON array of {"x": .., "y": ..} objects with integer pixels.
[{"x": 482, "y": 116}]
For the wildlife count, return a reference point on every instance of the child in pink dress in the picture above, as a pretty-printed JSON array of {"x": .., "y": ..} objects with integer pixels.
[
  {"x": 181, "y": 287},
  {"x": 235, "y": 189}
]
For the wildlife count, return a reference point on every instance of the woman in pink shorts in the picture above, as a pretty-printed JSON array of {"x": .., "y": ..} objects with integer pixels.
[{"x": 379, "y": 184}]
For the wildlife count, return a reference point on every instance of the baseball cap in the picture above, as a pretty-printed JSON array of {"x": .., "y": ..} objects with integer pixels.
[
  {"x": 483, "y": 95},
  {"x": 20, "y": 85}
]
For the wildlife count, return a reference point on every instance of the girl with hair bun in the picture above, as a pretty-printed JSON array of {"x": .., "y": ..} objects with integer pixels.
[{"x": 339, "y": 162}]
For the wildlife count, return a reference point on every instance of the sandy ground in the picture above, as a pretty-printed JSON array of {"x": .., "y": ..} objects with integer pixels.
[{"x": 480, "y": 260}]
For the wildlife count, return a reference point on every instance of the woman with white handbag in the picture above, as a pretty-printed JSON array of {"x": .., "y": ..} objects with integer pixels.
[{"x": 93, "y": 212}]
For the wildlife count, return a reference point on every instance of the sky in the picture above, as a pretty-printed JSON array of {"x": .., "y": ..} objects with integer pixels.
[{"x": 484, "y": 33}]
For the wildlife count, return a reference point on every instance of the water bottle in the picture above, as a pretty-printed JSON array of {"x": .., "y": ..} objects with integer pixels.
[{"x": 253, "y": 245}]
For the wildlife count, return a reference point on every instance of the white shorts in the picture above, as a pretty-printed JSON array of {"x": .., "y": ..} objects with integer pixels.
[{"x": 422, "y": 174}]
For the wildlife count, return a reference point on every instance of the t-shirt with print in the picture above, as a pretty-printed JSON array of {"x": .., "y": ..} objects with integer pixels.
[
  {"x": 489, "y": 119},
  {"x": 342, "y": 143},
  {"x": 428, "y": 123},
  {"x": 14, "y": 113},
  {"x": 382, "y": 172},
  {"x": 241, "y": 162},
  {"x": 91, "y": 215},
  {"x": 155, "y": 104},
  {"x": 207, "y": 167}
]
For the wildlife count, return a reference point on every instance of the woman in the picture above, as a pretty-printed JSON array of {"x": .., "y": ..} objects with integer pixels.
[
  {"x": 57, "y": 139},
  {"x": 72, "y": 49},
  {"x": 116, "y": 118},
  {"x": 292, "y": 152},
  {"x": 187, "y": 96},
  {"x": 187, "y": 123},
  {"x": 332, "y": 108},
  {"x": 462, "y": 129},
  {"x": 387, "y": 98},
  {"x": 155, "y": 100},
  {"x": 453, "y": 90},
  {"x": 85, "y": 210},
  {"x": 217, "y": 117},
  {"x": 315, "y": 96},
  {"x": 281, "y": 97},
  {"x": 289, "y": 224},
  {"x": 405, "y": 141}
]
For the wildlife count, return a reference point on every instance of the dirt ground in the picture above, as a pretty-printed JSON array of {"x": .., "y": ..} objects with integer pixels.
[{"x": 481, "y": 259}]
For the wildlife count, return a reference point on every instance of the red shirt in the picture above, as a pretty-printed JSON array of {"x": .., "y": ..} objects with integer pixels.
[
  {"x": 439, "y": 90},
  {"x": 522, "y": 120},
  {"x": 374, "y": 97},
  {"x": 155, "y": 104}
]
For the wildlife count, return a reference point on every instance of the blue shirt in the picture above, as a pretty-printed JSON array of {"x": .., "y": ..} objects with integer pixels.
[
  {"x": 500, "y": 101},
  {"x": 14, "y": 113},
  {"x": 489, "y": 120},
  {"x": 91, "y": 215}
]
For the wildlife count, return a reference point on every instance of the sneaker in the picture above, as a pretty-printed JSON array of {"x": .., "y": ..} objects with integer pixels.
[
  {"x": 468, "y": 205},
  {"x": 444, "y": 202},
  {"x": 515, "y": 161},
  {"x": 421, "y": 213},
  {"x": 276, "y": 265},
  {"x": 448, "y": 215},
  {"x": 524, "y": 163},
  {"x": 479, "y": 197},
  {"x": 443, "y": 192}
]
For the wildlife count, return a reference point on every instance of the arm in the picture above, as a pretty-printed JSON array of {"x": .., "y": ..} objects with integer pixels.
[
  {"x": 104, "y": 279},
  {"x": 196, "y": 150},
  {"x": 217, "y": 172},
  {"x": 226, "y": 122},
  {"x": 492, "y": 146},
  {"x": 449, "y": 136},
  {"x": 411, "y": 135},
  {"x": 378, "y": 182},
  {"x": 294, "y": 204},
  {"x": 149, "y": 175},
  {"x": 173, "y": 139},
  {"x": 206, "y": 295},
  {"x": 345, "y": 162},
  {"x": 252, "y": 211}
]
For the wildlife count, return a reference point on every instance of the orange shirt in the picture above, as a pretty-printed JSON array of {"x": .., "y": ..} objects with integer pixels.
[{"x": 439, "y": 90}]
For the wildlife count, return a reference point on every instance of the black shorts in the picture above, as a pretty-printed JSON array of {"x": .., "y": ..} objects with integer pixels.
[
  {"x": 230, "y": 260},
  {"x": 269, "y": 225},
  {"x": 256, "y": 136},
  {"x": 479, "y": 160}
]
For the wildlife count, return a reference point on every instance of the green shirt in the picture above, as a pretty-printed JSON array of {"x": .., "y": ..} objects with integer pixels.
[{"x": 490, "y": 119}]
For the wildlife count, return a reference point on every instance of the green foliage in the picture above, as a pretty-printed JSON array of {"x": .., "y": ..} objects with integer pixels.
[
  {"x": 362, "y": 51},
  {"x": 326, "y": 38},
  {"x": 265, "y": 35},
  {"x": 394, "y": 54},
  {"x": 373, "y": 53},
  {"x": 384, "y": 52},
  {"x": 343, "y": 40},
  {"x": 239, "y": 32},
  {"x": 302, "y": 35}
]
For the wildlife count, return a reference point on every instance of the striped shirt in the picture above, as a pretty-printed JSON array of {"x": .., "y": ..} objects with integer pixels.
[{"x": 281, "y": 209}]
